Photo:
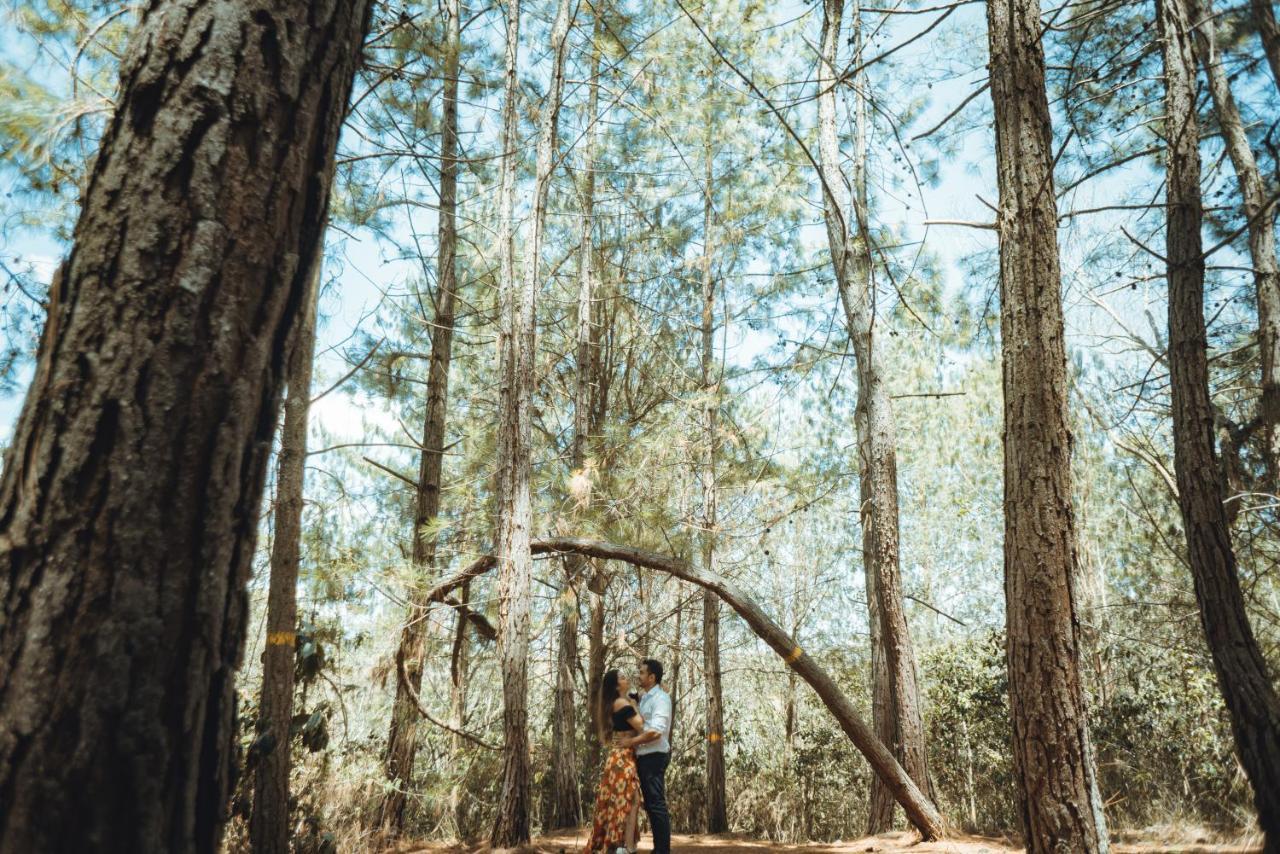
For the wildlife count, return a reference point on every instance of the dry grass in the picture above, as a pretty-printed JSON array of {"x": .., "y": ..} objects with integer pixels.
[{"x": 1165, "y": 840}]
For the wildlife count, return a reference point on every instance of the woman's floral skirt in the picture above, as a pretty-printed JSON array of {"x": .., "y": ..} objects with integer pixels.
[{"x": 618, "y": 792}]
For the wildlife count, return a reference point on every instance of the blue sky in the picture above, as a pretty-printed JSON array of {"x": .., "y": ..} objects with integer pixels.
[{"x": 952, "y": 57}]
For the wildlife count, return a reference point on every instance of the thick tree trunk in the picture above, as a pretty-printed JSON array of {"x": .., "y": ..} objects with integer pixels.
[
  {"x": 269, "y": 821},
  {"x": 877, "y": 442},
  {"x": 1242, "y": 674},
  {"x": 1058, "y": 793},
  {"x": 1264, "y": 17},
  {"x": 717, "y": 815},
  {"x": 402, "y": 742},
  {"x": 919, "y": 809},
  {"x": 130, "y": 494},
  {"x": 1260, "y": 214},
  {"x": 516, "y": 357}
]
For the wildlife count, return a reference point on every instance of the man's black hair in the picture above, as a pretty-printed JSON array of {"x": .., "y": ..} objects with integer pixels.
[{"x": 655, "y": 667}]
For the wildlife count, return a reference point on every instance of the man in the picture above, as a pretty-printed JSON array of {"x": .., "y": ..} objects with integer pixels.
[{"x": 653, "y": 752}]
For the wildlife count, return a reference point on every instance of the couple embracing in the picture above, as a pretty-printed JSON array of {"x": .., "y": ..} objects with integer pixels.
[{"x": 637, "y": 728}]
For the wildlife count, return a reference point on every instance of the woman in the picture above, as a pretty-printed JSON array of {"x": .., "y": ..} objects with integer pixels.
[{"x": 613, "y": 828}]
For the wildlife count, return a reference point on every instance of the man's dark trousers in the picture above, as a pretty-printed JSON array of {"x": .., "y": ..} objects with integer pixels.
[{"x": 653, "y": 769}]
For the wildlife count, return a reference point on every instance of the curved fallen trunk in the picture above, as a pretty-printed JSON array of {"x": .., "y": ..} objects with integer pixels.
[{"x": 920, "y": 811}]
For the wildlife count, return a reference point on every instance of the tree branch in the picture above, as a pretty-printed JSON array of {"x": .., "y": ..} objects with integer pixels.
[
  {"x": 403, "y": 676},
  {"x": 921, "y": 812}
]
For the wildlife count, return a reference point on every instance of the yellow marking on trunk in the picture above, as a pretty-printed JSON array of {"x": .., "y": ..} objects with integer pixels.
[{"x": 281, "y": 638}]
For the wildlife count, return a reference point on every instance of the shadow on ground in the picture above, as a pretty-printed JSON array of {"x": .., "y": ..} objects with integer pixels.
[{"x": 888, "y": 843}]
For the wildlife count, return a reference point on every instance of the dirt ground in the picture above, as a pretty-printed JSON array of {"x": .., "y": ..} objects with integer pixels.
[{"x": 888, "y": 843}]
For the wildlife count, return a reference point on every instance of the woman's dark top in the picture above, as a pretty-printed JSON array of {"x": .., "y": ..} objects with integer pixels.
[{"x": 622, "y": 716}]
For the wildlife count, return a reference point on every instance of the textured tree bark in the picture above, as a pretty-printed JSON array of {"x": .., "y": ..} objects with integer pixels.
[
  {"x": 1053, "y": 761},
  {"x": 1260, "y": 214},
  {"x": 1264, "y": 18},
  {"x": 512, "y": 485},
  {"x": 677, "y": 695},
  {"x": 919, "y": 809},
  {"x": 593, "y": 393},
  {"x": 596, "y": 588},
  {"x": 880, "y": 808},
  {"x": 516, "y": 361},
  {"x": 402, "y": 738},
  {"x": 877, "y": 441},
  {"x": 130, "y": 494},
  {"x": 269, "y": 821},
  {"x": 1242, "y": 674},
  {"x": 565, "y": 807},
  {"x": 884, "y": 717},
  {"x": 717, "y": 814},
  {"x": 459, "y": 660}
]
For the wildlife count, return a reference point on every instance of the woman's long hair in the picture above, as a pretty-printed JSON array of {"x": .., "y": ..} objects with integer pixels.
[{"x": 608, "y": 693}]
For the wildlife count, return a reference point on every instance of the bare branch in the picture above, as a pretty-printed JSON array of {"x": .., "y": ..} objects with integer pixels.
[{"x": 422, "y": 710}]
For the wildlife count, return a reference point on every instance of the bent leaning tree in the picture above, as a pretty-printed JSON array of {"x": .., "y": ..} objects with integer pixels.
[{"x": 919, "y": 809}]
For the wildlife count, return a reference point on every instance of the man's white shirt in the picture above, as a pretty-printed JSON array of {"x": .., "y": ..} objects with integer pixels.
[{"x": 655, "y": 708}]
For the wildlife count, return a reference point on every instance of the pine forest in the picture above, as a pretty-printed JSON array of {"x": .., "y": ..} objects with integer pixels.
[{"x": 592, "y": 426}]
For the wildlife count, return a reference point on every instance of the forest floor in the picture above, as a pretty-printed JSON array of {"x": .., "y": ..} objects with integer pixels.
[{"x": 1148, "y": 842}]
